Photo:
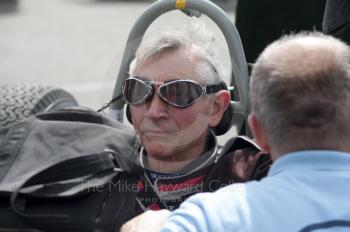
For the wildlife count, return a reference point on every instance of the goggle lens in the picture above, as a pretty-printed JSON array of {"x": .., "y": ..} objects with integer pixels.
[
  {"x": 181, "y": 93},
  {"x": 136, "y": 91},
  {"x": 178, "y": 93}
]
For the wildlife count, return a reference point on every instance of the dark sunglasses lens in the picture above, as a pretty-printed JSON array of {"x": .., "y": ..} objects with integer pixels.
[
  {"x": 136, "y": 91},
  {"x": 181, "y": 93}
]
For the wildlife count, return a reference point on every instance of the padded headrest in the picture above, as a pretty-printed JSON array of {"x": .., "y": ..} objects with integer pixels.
[{"x": 226, "y": 120}]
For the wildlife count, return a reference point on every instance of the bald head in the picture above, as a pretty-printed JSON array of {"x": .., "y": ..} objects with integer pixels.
[
  {"x": 304, "y": 55},
  {"x": 300, "y": 92}
]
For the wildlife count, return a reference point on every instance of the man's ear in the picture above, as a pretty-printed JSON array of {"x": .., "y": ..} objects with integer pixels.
[
  {"x": 259, "y": 133},
  {"x": 221, "y": 102}
]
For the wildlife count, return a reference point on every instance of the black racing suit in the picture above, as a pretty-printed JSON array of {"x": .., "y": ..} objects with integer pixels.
[{"x": 215, "y": 168}]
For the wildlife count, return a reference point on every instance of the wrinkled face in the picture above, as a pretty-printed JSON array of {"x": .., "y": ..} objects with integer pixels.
[{"x": 167, "y": 131}]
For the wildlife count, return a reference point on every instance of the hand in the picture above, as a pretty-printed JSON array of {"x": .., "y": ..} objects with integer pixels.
[
  {"x": 149, "y": 221},
  {"x": 249, "y": 164}
]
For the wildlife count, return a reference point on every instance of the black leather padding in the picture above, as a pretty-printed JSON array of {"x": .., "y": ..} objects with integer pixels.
[
  {"x": 128, "y": 113},
  {"x": 225, "y": 123},
  {"x": 223, "y": 126},
  {"x": 226, "y": 120}
]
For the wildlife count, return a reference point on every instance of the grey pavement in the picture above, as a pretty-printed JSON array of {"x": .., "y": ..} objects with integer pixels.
[{"x": 77, "y": 44}]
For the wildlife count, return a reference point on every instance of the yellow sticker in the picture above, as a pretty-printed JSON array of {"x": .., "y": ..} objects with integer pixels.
[{"x": 180, "y": 4}]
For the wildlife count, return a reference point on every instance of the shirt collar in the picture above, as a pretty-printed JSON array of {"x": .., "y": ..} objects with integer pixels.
[{"x": 311, "y": 160}]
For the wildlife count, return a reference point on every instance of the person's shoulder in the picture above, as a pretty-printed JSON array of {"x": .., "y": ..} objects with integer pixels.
[
  {"x": 238, "y": 143},
  {"x": 245, "y": 158},
  {"x": 240, "y": 200}
]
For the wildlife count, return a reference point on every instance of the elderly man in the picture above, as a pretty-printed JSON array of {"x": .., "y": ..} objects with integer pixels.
[
  {"x": 300, "y": 96},
  {"x": 178, "y": 104}
]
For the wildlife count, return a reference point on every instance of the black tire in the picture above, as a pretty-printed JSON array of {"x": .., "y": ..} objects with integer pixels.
[{"x": 19, "y": 101}]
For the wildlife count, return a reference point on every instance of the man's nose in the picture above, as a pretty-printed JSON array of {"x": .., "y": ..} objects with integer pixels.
[{"x": 156, "y": 107}]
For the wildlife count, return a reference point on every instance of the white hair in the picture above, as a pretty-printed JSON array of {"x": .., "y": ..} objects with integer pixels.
[{"x": 193, "y": 38}]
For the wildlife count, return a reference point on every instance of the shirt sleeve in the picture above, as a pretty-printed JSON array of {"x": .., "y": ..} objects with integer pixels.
[
  {"x": 191, "y": 216},
  {"x": 206, "y": 212}
]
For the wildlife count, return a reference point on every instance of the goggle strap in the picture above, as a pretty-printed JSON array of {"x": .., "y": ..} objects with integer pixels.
[{"x": 214, "y": 88}]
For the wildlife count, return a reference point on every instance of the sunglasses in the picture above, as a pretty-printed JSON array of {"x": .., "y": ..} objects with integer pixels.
[{"x": 178, "y": 93}]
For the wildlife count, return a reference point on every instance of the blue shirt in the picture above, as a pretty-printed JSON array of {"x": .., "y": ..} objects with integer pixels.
[{"x": 304, "y": 191}]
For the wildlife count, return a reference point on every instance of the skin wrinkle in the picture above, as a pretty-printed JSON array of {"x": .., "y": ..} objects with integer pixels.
[
  {"x": 173, "y": 136},
  {"x": 188, "y": 127}
]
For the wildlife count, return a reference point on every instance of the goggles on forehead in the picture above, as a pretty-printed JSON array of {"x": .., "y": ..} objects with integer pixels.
[{"x": 178, "y": 93}]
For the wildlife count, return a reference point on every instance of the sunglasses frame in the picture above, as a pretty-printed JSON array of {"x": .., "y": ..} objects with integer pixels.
[{"x": 206, "y": 89}]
